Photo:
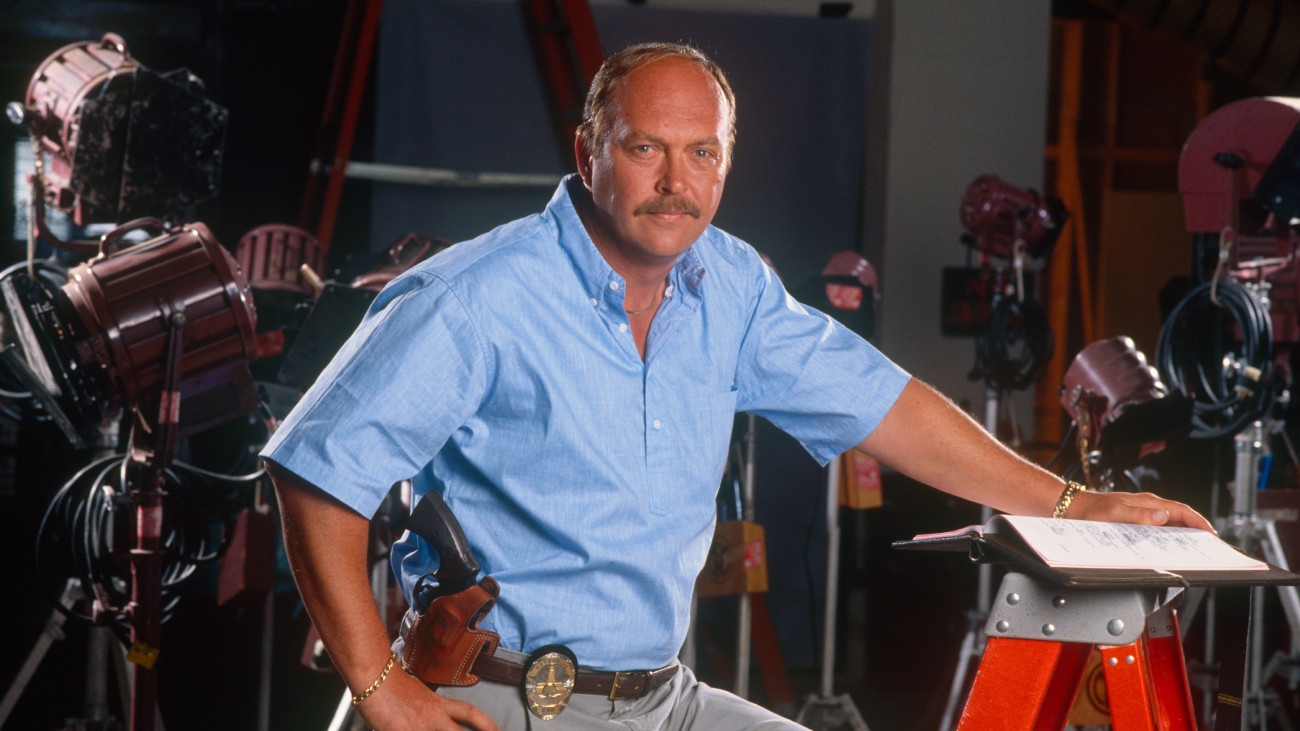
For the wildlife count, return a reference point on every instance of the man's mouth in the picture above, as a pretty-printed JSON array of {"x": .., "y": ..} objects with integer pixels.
[{"x": 670, "y": 205}]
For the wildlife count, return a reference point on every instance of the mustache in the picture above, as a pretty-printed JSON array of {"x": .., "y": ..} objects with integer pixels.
[{"x": 669, "y": 204}]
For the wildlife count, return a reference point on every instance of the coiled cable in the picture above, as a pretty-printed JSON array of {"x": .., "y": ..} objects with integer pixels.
[
  {"x": 1195, "y": 356},
  {"x": 83, "y": 531}
]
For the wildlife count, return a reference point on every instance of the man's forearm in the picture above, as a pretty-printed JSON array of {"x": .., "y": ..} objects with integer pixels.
[
  {"x": 926, "y": 437},
  {"x": 327, "y": 545}
]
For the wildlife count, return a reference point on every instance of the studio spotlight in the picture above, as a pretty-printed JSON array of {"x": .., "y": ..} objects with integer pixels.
[
  {"x": 1241, "y": 164},
  {"x": 105, "y": 338},
  {"x": 1005, "y": 221},
  {"x": 164, "y": 329},
  {"x": 338, "y": 309},
  {"x": 273, "y": 255},
  {"x": 122, "y": 141},
  {"x": 1122, "y": 410},
  {"x": 1239, "y": 176},
  {"x": 846, "y": 289}
]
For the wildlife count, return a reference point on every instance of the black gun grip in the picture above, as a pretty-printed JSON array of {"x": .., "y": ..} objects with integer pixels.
[{"x": 432, "y": 520}]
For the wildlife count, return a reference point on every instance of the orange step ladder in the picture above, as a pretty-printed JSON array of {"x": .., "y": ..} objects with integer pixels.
[{"x": 1040, "y": 636}]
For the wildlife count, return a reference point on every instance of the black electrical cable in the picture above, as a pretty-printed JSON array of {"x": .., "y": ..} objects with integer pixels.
[
  {"x": 1227, "y": 374},
  {"x": 80, "y": 535},
  {"x": 1013, "y": 351},
  {"x": 1065, "y": 445}
]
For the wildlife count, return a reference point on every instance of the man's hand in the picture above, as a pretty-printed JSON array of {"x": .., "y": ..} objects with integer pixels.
[
  {"x": 403, "y": 703},
  {"x": 1142, "y": 508},
  {"x": 327, "y": 545}
]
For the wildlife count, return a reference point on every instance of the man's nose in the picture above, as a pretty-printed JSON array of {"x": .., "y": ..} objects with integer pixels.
[{"x": 671, "y": 180}]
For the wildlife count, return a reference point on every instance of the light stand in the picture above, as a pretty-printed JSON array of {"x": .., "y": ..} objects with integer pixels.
[
  {"x": 826, "y": 711},
  {"x": 744, "y": 610},
  {"x": 1005, "y": 222},
  {"x": 1237, "y": 175},
  {"x": 1255, "y": 535},
  {"x": 107, "y": 338},
  {"x": 1245, "y": 529},
  {"x": 847, "y": 289},
  {"x": 153, "y": 446}
]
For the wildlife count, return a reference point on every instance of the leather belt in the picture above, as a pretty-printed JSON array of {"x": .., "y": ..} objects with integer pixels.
[{"x": 620, "y": 685}]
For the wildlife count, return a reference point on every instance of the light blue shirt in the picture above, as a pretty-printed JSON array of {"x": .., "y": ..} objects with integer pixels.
[{"x": 502, "y": 373}]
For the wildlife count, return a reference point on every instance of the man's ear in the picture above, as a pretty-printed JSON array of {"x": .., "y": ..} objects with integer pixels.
[{"x": 583, "y": 160}]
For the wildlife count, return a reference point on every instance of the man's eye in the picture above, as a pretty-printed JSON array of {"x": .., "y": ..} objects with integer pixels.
[{"x": 642, "y": 149}]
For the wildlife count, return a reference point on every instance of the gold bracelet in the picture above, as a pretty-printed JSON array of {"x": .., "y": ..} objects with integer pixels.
[
  {"x": 1067, "y": 496},
  {"x": 356, "y": 699}
]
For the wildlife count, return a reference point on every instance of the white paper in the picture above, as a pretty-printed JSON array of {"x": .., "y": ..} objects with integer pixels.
[{"x": 1088, "y": 544}]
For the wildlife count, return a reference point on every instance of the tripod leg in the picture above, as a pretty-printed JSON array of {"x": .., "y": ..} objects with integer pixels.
[
  {"x": 1289, "y": 595},
  {"x": 53, "y": 631},
  {"x": 342, "y": 714},
  {"x": 98, "y": 641},
  {"x": 964, "y": 657}
]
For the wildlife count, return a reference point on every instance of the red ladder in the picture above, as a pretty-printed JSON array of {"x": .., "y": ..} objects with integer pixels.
[{"x": 1040, "y": 637}]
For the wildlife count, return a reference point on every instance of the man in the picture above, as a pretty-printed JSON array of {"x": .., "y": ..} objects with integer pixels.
[{"x": 567, "y": 383}]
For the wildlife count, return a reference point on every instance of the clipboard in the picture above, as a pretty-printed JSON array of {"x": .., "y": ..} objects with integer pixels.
[{"x": 1011, "y": 550}]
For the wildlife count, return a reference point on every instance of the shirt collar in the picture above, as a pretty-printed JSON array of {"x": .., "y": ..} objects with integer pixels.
[{"x": 594, "y": 271}]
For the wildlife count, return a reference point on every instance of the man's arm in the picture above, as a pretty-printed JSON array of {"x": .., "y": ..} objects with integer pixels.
[
  {"x": 327, "y": 545},
  {"x": 926, "y": 437}
]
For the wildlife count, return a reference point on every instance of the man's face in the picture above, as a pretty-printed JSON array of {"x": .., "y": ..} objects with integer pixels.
[{"x": 656, "y": 180}]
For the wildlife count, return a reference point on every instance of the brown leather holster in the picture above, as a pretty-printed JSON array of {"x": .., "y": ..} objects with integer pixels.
[{"x": 443, "y": 641}]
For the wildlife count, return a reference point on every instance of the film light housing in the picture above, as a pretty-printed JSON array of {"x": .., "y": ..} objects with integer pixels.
[
  {"x": 273, "y": 255},
  {"x": 996, "y": 215},
  {"x": 1241, "y": 164},
  {"x": 406, "y": 252},
  {"x": 282, "y": 264},
  {"x": 1121, "y": 407},
  {"x": 1239, "y": 175},
  {"x": 123, "y": 141},
  {"x": 846, "y": 289},
  {"x": 102, "y": 338}
]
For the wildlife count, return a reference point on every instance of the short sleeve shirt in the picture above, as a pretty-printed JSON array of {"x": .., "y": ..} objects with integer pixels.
[{"x": 503, "y": 374}]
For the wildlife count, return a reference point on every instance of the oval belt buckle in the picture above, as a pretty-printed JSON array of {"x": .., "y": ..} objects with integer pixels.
[{"x": 548, "y": 680}]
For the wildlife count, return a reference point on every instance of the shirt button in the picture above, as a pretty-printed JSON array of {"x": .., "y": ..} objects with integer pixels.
[
  {"x": 613, "y": 285},
  {"x": 622, "y": 327},
  {"x": 657, "y": 424},
  {"x": 594, "y": 302}
]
